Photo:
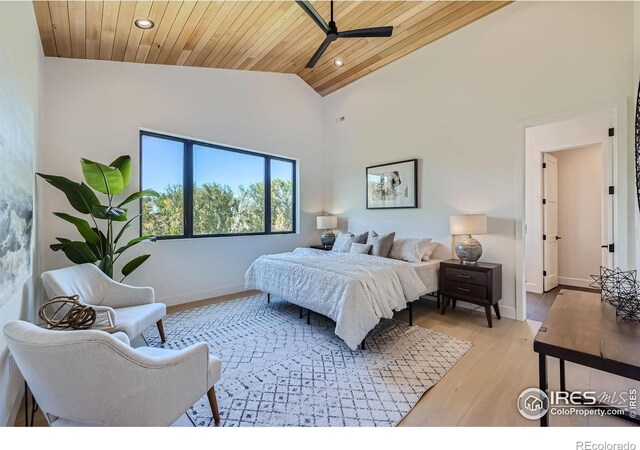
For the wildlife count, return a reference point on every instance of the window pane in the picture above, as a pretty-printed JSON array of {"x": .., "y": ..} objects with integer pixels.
[
  {"x": 162, "y": 171},
  {"x": 281, "y": 195},
  {"x": 228, "y": 192}
]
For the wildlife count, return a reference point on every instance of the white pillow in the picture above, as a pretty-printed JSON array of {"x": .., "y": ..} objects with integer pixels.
[
  {"x": 431, "y": 247},
  {"x": 360, "y": 248},
  {"x": 410, "y": 250},
  {"x": 343, "y": 243}
]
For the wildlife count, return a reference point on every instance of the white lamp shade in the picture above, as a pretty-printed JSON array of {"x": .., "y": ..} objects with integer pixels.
[
  {"x": 326, "y": 222},
  {"x": 468, "y": 224}
]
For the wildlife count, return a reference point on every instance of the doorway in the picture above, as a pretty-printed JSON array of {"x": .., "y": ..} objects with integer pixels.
[
  {"x": 574, "y": 220},
  {"x": 569, "y": 210}
]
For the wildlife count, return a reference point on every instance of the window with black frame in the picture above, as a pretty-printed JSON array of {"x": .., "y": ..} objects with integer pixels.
[{"x": 210, "y": 190}]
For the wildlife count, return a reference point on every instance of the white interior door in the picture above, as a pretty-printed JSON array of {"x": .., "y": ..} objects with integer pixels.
[
  {"x": 550, "y": 222},
  {"x": 608, "y": 204}
]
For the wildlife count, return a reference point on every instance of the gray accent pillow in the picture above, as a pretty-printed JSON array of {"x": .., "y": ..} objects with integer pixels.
[
  {"x": 343, "y": 243},
  {"x": 361, "y": 238},
  {"x": 381, "y": 244},
  {"x": 360, "y": 248}
]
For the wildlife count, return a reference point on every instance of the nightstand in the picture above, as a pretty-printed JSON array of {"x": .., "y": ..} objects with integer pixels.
[
  {"x": 479, "y": 283},
  {"x": 321, "y": 247}
]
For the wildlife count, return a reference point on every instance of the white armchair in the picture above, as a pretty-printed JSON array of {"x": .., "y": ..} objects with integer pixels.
[
  {"x": 133, "y": 308},
  {"x": 90, "y": 378}
]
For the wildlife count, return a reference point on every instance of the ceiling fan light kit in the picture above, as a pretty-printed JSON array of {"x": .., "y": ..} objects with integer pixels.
[{"x": 331, "y": 30}]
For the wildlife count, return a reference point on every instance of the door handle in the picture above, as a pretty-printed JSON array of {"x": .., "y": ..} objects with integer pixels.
[
  {"x": 464, "y": 290},
  {"x": 464, "y": 276},
  {"x": 604, "y": 246},
  {"x": 558, "y": 238}
]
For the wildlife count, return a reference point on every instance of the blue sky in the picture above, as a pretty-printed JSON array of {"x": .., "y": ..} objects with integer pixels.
[{"x": 163, "y": 165}]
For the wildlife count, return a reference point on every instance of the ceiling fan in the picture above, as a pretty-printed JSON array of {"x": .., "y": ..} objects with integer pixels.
[{"x": 332, "y": 32}]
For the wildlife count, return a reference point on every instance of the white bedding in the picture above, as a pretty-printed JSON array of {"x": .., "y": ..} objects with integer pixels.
[
  {"x": 355, "y": 290},
  {"x": 427, "y": 271}
]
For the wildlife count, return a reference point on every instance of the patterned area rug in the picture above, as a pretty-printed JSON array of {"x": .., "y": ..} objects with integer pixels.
[{"x": 279, "y": 371}]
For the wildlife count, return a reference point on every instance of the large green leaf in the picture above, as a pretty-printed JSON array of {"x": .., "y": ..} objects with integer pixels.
[
  {"x": 102, "y": 178},
  {"x": 77, "y": 252},
  {"x": 102, "y": 248},
  {"x": 109, "y": 213},
  {"x": 83, "y": 227},
  {"x": 133, "y": 265},
  {"x": 138, "y": 195},
  {"x": 135, "y": 241},
  {"x": 79, "y": 195},
  {"x": 124, "y": 227},
  {"x": 106, "y": 265},
  {"x": 123, "y": 164}
]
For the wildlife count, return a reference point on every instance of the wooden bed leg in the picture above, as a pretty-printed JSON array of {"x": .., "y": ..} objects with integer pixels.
[
  {"x": 268, "y": 298},
  {"x": 362, "y": 346},
  {"x": 308, "y": 317},
  {"x": 301, "y": 312},
  {"x": 411, "y": 314}
]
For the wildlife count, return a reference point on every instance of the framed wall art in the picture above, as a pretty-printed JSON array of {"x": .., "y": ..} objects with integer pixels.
[{"x": 393, "y": 185}]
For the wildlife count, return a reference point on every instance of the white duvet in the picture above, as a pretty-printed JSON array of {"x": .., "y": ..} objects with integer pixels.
[{"x": 354, "y": 290}]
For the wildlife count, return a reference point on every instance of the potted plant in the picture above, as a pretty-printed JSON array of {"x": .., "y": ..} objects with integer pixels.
[{"x": 101, "y": 245}]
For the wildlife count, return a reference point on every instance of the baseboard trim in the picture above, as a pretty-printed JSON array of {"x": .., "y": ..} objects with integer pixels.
[
  {"x": 505, "y": 311},
  {"x": 576, "y": 282},
  {"x": 532, "y": 287},
  {"x": 201, "y": 295}
]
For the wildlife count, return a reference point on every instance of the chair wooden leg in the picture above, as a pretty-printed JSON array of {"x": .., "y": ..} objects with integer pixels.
[
  {"x": 213, "y": 401},
  {"x": 161, "y": 330}
]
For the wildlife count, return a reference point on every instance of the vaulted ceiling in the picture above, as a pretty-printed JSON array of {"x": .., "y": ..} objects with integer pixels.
[{"x": 271, "y": 36}]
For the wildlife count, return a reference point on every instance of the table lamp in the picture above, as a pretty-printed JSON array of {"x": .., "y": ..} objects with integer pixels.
[
  {"x": 468, "y": 249},
  {"x": 326, "y": 223}
]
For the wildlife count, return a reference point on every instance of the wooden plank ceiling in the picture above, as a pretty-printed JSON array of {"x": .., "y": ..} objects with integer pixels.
[{"x": 272, "y": 36}]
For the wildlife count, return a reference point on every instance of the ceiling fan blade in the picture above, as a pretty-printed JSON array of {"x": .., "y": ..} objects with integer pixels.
[
  {"x": 367, "y": 32},
  {"x": 316, "y": 56},
  {"x": 317, "y": 18}
]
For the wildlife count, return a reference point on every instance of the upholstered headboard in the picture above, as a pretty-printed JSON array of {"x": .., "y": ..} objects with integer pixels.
[{"x": 436, "y": 229}]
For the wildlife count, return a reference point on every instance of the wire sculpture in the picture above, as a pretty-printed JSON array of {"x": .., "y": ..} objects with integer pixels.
[
  {"x": 68, "y": 313},
  {"x": 620, "y": 289}
]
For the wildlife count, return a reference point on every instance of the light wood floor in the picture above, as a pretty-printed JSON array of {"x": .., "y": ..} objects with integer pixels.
[{"x": 482, "y": 388}]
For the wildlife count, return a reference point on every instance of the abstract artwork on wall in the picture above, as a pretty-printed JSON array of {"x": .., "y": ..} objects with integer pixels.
[
  {"x": 393, "y": 185},
  {"x": 16, "y": 187}
]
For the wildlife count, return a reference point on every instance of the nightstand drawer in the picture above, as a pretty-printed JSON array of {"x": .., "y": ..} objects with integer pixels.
[
  {"x": 466, "y": 276},
  {"x": 461, "y": 290}
]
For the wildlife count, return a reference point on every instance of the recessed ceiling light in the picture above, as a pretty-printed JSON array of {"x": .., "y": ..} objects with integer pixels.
[
  {"x": 145, "y": 24},
  {"x": 338, "y": 63}
]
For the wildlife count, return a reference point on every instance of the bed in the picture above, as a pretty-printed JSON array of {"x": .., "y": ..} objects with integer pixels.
[
  {"x": 354, "y": 290},
  {"x": 427, "y": 271}
]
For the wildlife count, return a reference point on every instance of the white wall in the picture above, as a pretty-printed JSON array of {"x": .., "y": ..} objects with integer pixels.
[
  {"x": 632, "y": 111},
  {"x": 96, "y": 108},
  {"x": 21, "y": 51},
  {"x": 456, "y": 105},
  {"x": 579, "y": 214}
]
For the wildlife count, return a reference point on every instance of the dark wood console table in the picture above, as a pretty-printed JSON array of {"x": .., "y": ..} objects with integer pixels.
[{"x": 580, "y": 328}]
